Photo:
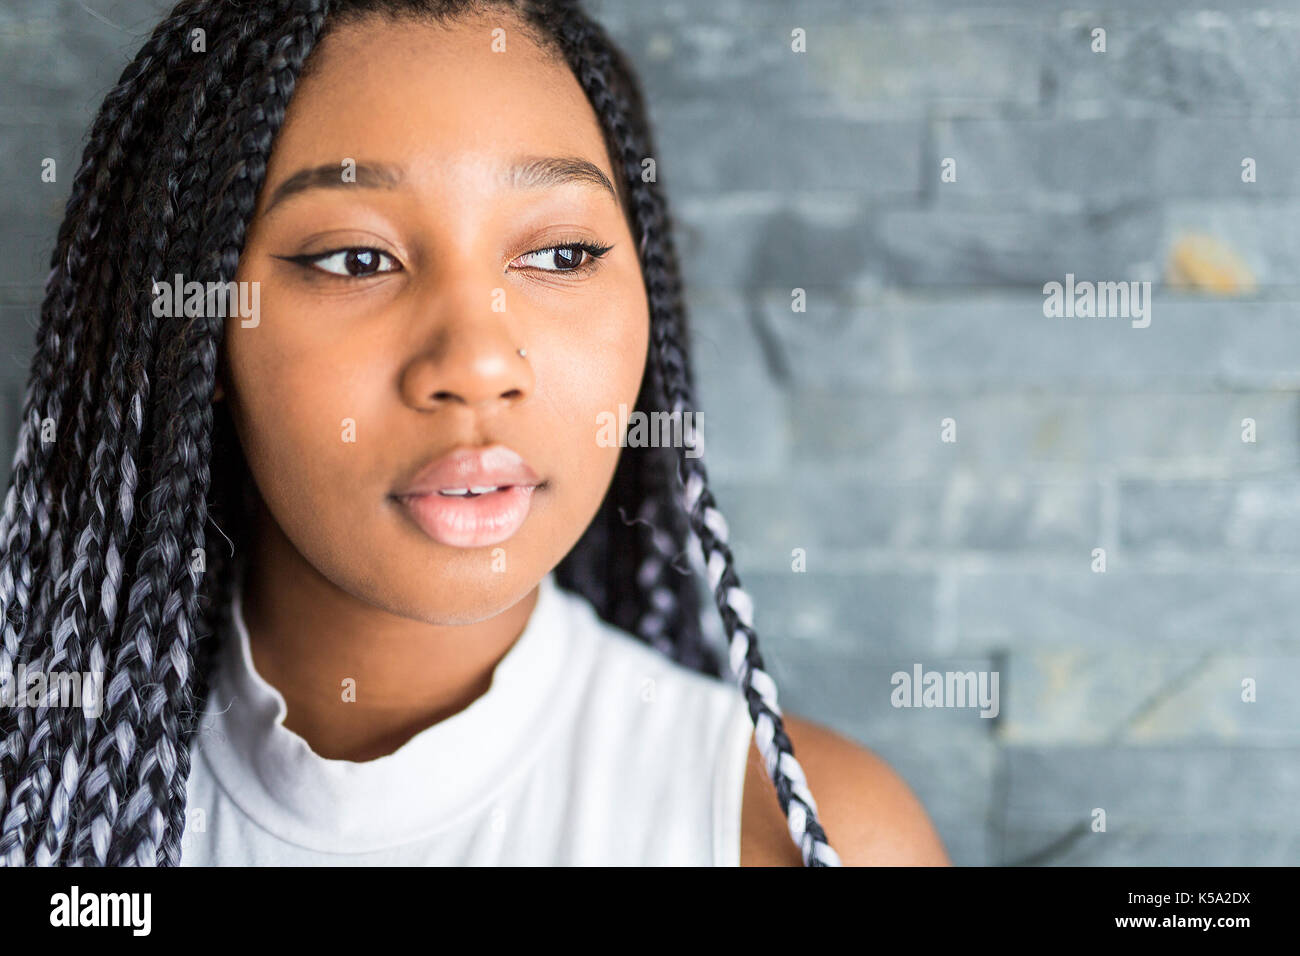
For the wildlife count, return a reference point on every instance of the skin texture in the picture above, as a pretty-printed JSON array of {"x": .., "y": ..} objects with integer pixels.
[{"x": 417, "y": 358}]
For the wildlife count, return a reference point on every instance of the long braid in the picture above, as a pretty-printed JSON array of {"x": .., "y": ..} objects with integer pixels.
[
  {"x": 42, "y": 731},
  {"x": 181, "y": 662},
  {"x": 36, "y": 782},
  {"x": 163, "y": 600},
  {"x": 35, "y": 775},
  {"x": 184, "y": 150},
  {"x": 254, "y": 127},
  {"x": 115, "y": 455},
  {"x": 207, "y": 85},
  {"x": 99, "y": 795},
  {"x": 110, "y": 143},
  {"x": 671, "y": 622},
  {"x": 594, "y": 60},
  {"x": 667, "y": 605}
]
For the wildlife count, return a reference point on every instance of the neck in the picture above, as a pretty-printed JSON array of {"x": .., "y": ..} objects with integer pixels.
[{"x": 360, "y": 681}]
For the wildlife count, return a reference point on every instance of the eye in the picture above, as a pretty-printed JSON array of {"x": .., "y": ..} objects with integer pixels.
[
  {"x": 354, "y": 263},
  {"x": 570, "y": 257}
]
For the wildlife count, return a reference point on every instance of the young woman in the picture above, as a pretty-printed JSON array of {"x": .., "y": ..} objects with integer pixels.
[{"x": 363, "y": 582}]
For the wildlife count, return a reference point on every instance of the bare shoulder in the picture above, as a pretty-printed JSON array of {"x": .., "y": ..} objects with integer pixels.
[{"x": 870, "y": 815}]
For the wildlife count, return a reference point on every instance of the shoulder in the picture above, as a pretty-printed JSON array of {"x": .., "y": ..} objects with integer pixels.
[{"x": 870, "y": 815}]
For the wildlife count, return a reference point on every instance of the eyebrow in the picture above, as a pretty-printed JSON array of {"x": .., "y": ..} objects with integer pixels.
[
  {"x": 528, "y": 172},
  {"x": 536, "y": 172}
]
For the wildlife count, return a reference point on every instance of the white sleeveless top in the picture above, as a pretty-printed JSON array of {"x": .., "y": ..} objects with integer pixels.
[{"x": 589, "y": 748}]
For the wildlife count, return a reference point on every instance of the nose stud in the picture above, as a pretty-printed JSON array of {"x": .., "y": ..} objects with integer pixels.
[{"x": 522, "y": 352}]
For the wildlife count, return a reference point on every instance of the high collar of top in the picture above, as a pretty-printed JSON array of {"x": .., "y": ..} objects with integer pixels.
[{"x": 443, "y": 773}]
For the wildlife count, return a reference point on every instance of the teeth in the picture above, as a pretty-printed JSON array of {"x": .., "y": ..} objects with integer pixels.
[{"x": 469, "y": 492}]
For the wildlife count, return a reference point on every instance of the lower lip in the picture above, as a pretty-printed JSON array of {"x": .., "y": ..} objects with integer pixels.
[{"x": 460, "y": 522}]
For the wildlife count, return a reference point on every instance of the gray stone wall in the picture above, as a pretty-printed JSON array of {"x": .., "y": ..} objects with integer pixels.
[{"x": 823, "y": 170}]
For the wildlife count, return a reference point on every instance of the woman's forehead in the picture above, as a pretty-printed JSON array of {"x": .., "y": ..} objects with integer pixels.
[{"x": 454, "y": 103}]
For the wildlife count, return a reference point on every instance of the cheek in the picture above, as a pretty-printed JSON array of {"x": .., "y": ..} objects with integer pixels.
[
  {"x": 596, "y": 378},
  {"x": 302, "y": 421}
]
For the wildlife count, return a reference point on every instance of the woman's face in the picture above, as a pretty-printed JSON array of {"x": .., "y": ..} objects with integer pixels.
[{"x": 393, "y": 303}]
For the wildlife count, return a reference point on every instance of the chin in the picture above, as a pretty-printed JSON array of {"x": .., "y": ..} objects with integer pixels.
[{"x": 456, "y": 591}]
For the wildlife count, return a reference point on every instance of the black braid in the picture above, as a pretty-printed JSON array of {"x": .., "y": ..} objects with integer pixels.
[
  {"x": 193, "y": 403},
  {"x": 127, "y": 122},
  {"x": 178, "y": 150},
  {"x": 186, "y": 387},
  {"x": 36, "y": 470}
]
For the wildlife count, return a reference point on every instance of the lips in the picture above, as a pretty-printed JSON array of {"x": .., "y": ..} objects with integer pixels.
[{"x": 471, "y": 497}]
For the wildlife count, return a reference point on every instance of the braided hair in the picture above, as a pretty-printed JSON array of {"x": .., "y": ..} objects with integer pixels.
[{"x": 123, "y": 461}]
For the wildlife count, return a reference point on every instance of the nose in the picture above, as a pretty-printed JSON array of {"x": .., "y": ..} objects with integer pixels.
[{"x": 468, "y": 357}]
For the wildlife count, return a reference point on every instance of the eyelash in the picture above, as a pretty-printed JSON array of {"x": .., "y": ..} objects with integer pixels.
[{"x": 592, "y": 251}]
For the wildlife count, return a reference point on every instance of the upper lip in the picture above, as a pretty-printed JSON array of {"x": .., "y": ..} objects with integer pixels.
[{"x": 491, "y": 466}]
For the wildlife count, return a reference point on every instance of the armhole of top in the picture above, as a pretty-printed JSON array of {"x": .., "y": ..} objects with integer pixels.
[{"x": 729, "y": 784}]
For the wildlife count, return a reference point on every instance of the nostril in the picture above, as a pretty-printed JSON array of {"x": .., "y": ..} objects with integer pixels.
[
  {"x": 445, "y": 396},
  {"x": 512, "y": 394}
]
